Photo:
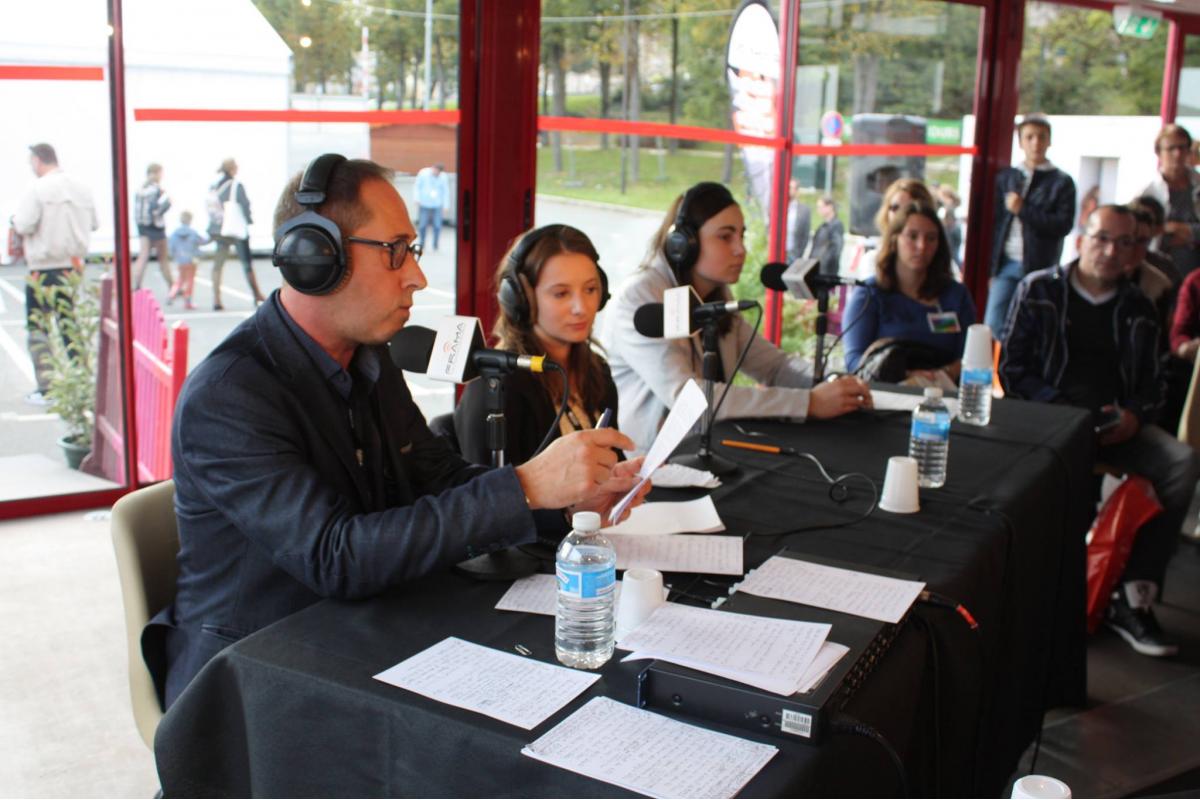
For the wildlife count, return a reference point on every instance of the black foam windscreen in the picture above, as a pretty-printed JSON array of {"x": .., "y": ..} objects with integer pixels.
[
  {"x": 772, "y": 276},
  {"x": 648, "y": 320},
  {"x": 411, "y": 348}
]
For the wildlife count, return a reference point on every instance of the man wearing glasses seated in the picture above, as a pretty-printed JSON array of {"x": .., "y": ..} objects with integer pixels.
[
  {"x": 303, "y": 468},
  {"x": 1084, "y": 335}
]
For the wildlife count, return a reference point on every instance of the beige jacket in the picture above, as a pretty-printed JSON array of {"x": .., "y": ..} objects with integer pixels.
[{"x": 56, "y": 218}]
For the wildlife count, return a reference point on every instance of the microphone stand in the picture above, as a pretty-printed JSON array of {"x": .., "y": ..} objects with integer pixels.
[
  {"x": 510, "y": 563},
  {"x": 822, "y": 328},
  {"x": 704, "y": 458}
]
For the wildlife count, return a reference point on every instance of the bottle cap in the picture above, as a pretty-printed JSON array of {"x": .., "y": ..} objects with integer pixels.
[
  {"x": 585, "y": 521},
  {"x": 933, "y": 391}
]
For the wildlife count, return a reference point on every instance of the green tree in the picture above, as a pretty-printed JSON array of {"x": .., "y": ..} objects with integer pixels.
[{"x": 333, "y": 32}]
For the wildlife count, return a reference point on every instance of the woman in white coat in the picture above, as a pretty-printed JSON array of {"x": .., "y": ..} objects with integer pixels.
[{"x": 701, "y": 243}]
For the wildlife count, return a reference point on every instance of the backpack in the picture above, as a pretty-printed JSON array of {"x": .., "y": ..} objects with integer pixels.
[
  {"x": 214, "y": 204},
  {"x": 144, "y": 206}
]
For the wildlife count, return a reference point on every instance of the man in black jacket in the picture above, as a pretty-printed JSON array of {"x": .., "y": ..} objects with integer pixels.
[
  {"x": 1084, "y": 335},
  {"x": 827, "y": 241},
  {"x": 1035, "y": 209},
  {"x": 304, "y": 470}
]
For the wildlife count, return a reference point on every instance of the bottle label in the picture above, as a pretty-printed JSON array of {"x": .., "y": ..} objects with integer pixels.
[
  {"x": 931, "y": 431},
  {"x": 584, "y": 585},
  {"x": 983, "y": 376}
]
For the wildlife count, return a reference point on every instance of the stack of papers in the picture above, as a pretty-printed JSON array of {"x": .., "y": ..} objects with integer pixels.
[
  {"x": 771, "y": 654},
  {"x": 859, "y": 593},
  {"x": 677, "y": 476},
  {"x": 689, "y": 405},
  {"x": 650, "y": 754},
  {"x": 504, "y": 686},
  {"x": 711, "y": 555},
  {"x": 898, "y": 401},
  {"x": 696, "y": 516},
  {"x": 538, "y": 594}
]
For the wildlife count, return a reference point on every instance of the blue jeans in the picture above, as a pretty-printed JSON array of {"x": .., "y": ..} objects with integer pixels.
[
  {"x": 429, "y": 216},
  {"x": 1000, "y": 295}
]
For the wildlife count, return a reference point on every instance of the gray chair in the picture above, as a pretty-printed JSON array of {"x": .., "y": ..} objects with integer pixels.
[{"x": 146, "y": 540}]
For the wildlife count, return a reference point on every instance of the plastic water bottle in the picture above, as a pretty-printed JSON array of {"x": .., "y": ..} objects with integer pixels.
[
  {"x": 929, "y": 439},
  {"x": 975, "y": 396},
  {"x": 587, "y": 576}
]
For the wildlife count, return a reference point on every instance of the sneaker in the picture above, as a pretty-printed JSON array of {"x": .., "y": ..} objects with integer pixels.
[
  {"x": 1139, "y": 628},
  {"x": 36, "y": 398}
]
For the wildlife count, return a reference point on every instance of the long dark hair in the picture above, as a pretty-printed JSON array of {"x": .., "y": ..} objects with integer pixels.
[
  {"x": 937, "y": 277},
  {"x": 704, "y": 201},
  {"x": 584, "y": 364}
]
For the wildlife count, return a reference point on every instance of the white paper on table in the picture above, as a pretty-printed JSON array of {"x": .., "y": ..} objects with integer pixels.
[
  {"x": 677, "y": 476},
  {"x": 772, "y": 654},
  {"x": 538, "y": 594},
  {"x": 829, "y": 654},
  {"x": 684, "y": 552},
  {"x": 660, "y": 518},
  {"x": 898, "y": 401},
  {"x": 648, "y": 753},
  {"x": 514, "y": 689},
  {"x": 689, "y": 405},
  {"x": 849, "y": 591}
]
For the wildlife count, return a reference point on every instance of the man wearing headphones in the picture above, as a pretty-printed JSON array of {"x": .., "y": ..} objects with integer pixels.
[
  {"x": 701, "y": 244},
  {"x": 303, "y": 469}
]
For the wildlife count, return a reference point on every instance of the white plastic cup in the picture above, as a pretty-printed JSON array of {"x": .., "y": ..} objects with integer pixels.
[
  {"x": 1037, "y": 787},
  {"x": 641, "y": 595},
  {"x": 977, "y": 354},
  {"x": 900, "y": 486}
]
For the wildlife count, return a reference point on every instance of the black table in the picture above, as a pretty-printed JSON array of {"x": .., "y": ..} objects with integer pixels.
[{"x": 293, "y": 709}]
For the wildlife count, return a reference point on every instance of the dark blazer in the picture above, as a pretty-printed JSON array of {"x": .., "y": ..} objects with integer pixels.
[
  {"x": 1047, "y": 216},
  {"x": 275, "y": 513},
  {"x": 528, "y": 414}
]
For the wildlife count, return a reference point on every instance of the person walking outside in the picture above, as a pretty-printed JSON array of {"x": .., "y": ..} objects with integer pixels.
[
  {"x": 227, "y": 201},
  {"x": 56, "y": 219},
  {"x": 149, "y": 208},
  {"x": 433, "y": 201}
]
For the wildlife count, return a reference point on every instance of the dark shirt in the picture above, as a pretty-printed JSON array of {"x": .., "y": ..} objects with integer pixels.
[
  {"x": 1182, "y": 209},
  {"x": 1090, "y": 379}
]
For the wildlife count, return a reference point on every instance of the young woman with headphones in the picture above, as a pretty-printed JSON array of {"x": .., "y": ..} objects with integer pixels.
[
  {"x": 701, "y": 244},
  {"x": 549, "y": 288}
]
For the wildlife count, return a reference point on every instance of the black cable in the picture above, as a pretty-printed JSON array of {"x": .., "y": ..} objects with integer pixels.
[
  {"x": 838, "y": 492},
  {"x": 562, "y": 408},
  {"x": 741, "y": 358},
  {"x": 937, "y": 703},
  {"x": 844, "y": 723}
]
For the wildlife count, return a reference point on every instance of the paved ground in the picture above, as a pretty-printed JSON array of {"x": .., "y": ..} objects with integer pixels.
[{"x": 620, "y": 236}]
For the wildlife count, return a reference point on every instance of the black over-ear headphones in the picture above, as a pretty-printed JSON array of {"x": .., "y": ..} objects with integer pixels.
[
  {"x": 681, "y": 247},
  {"x": 308, "y": 247},
  {"x": 515, "y": 294}
]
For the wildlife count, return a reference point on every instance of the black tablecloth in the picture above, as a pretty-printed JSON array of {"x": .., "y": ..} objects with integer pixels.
[{"x": 293, "y": 709}]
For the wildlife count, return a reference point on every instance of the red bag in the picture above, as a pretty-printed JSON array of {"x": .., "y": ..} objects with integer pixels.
[
  {"x": 16, "y": 245},
  {"x": 1110, "y": 541}
]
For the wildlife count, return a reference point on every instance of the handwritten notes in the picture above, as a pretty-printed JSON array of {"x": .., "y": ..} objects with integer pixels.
[
  {"x": 689, "y": 405},
  {"x": 677, "y": 476},
  {"x": 859, "y": 593},
  {"x": 650, "y": 754},
  {"x": 772, "y": 654},
  {"x": 713, "y": 555},
  {"x": 538, "y": 594},
  {"x": 504, "y": 686},
  {"x": 699, "y": 516},
  {"x": 899, "y": 401}
]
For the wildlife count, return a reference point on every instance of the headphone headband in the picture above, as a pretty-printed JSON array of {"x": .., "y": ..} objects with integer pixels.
[{"x": 316, "y": 179}]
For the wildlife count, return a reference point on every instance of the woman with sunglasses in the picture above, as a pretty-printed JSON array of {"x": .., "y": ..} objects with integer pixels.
[
  {"x": 899, "y": 194},
  {"x": 913, "y": 296},
  {"x": 549, "y": 288},
  {"x": 701, "y": 244}
]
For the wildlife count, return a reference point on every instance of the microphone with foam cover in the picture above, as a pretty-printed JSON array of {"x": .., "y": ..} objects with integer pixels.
[
  {"x": 772, "y": 276},
  {"x": 648, "y": 320},
  {"x": 412, "y": 348}
]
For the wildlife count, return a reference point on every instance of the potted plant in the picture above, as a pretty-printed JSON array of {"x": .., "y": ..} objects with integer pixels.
[{"x": 69, "y": 316}]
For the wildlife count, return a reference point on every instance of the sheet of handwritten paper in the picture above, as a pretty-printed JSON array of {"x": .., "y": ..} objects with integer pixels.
[
  {"x": 538, "y": 594},
  {"x": 696, "y": 516},
  {"x": 504, "y": 686},
  {"x": 899, "y": 401},
  {"x": 648, "y": 753},
  {"x": 859, "y": 593},
  {"x": 710, "y": 555},
  {"x": 829, "y": 654},
  {"x": 689, "y": 405},
  {"x": 772, "y": 654}
]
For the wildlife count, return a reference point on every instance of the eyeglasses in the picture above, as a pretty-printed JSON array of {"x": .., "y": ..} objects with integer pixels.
[
  {"x": 1120, "y": 242},
  {"x": 894, "y": 207},
  {"x": 399, "y": 249}
]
